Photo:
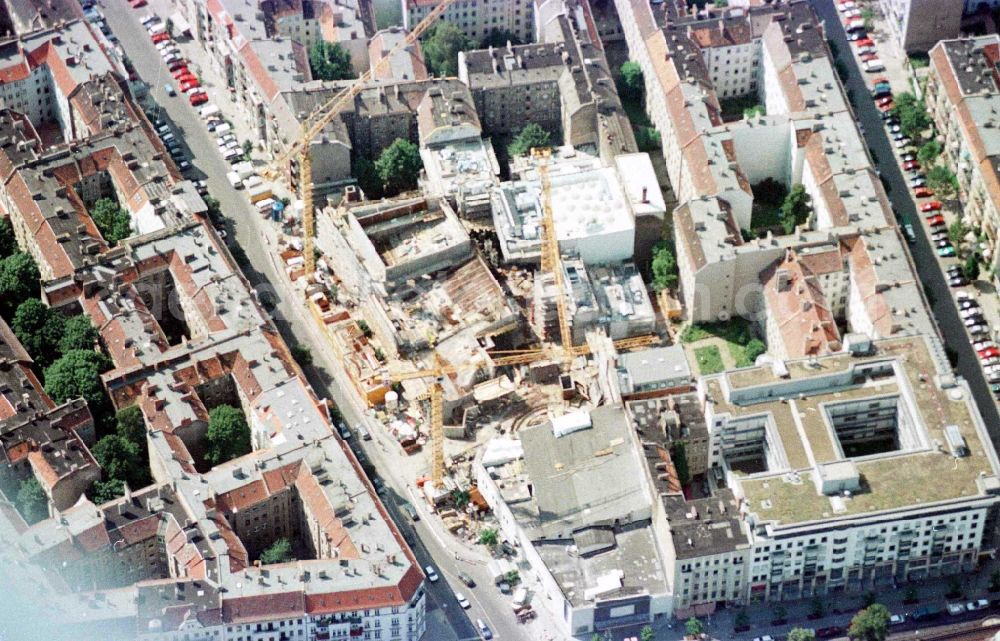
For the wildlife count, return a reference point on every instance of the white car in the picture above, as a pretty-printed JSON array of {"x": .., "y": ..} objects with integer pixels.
[
  {"x": 897, "y": 619},
  {"x": 969, "y": 312},
  {"x": 432, "y": 575},
  {"x": 462, "y": 601},
  {"x": 149, "y": 19},
  {"x": 846, "y": 5},
  {"x": 766, "y": 637}
]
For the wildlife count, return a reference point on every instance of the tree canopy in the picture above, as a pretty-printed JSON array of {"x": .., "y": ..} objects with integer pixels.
[
  {"x": 39, "y": 329},
  {"x": 489, "y": 537},
  {"x": 928, "y": 152},
  {"x": 368, "y": 179},
  {"x": 8, "y": 241},
  {"x": 228, "y": 435},
  {"x": 970, "y": 267},
  {"x": 942, "y": 180},
  {"x": 498, "y": 38},
  {"x": 632, "y": 81},
  {"x": 329, "y": 61},
  {"x": 77, "y": 373},
  {"x": 796, "y": 209},
  {"x": 663, "y": 266},
  {"x": 441, "y": 45},
  {"x": 130, "y": 425},
  {"x": 19, "y": 279},
  {"x": 31, "y": 500},
  {"x": 870, "y": 624},
  {"x": 101, "y": 492},
  {"x": 398, "y": 166},
  {"x": 278, "y": 552},
  {"x": 112, "y": 220},
  {"x": 693, "y": 627},
  {"x": 120, "y": 459},
  {"x": 801, "y": 634},
  {"x": 78, "y": 333},
  {"x": 532, "y": 135},
  {"x": 912, "y": 114}
]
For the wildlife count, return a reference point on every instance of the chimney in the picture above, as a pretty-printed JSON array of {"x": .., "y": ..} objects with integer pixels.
[{"x": 645, "y": 191}]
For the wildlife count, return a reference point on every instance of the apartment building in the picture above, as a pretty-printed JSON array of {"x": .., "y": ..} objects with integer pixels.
[
  {"x": 477, "y": 18},
  {"x": 962, "y": 97}
]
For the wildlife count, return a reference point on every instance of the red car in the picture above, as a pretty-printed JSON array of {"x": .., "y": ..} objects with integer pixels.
[
  {"x": 200, "y": 98},
  {"x": 881, "y": 102},
  {"x": 869, "y": 56},
  {"x": 187, "y": 76},
  {"x": 889, "y": 106},
  {"x": 160, "y": 37},
  {"x": 866, "y": 42},
  {"x": 934, "y": 205},
  {"x": 180, "y": 72},
  {"x": 829, "y": 633},
  {"x": 177, "y": 64},
  {"x": 138, "y": 3},
  {"x": 989, "y": 352},
  {"x": 936, "y": 220},
  {"x": 911, "y": 165},
  {"x": 188, "y": 86},
  {"x": 923, "y": 192}
]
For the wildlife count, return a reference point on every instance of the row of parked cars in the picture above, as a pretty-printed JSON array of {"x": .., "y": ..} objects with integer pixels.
[
  {"x": 857, "y": 33},
  {"x": 176, "y": 64}
]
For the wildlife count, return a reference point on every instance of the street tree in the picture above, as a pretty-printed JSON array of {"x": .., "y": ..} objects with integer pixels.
[
  {"x": 942, "y": 180},
  {"x": 531, "y": 135},
  {"x": 228, "y": 435},
  {"x": 647, "y": 633},
  {"x": 870, "y": 624},
  {"x": 929, "y": 152},
  {"x": 302, "y": 355},
  {"x": 796, "y": 208},
  {"x": 31, "y": 500},
  {"x": 693, "y": 627},
  {"x": 278, "y": 552},
  {"x": 801, "y": 634},
  {"x": 970, "y": 267},
  {"x": 112, "y": 220},
  {"x": 489, "y": 537},
  {"x": 78, "y": 333},
  {"x": 329, "y": 61},
  {"x": 398, "y": 166},
  {"x": 441, "y": 45},
  {"x": 39, "y": 328}
]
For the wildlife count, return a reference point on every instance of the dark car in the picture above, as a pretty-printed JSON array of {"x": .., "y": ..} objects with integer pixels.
[
  {"x": 466, "y": 579},
  {"x": 830, "y": 632}
]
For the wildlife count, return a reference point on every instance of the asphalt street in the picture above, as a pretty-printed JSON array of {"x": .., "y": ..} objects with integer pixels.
[
  {"x": 928, "y": 269},
  {"x": 446, "y": 620}
]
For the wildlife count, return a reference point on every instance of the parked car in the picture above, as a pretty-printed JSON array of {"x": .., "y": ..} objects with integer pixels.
[
  {"x": 170, "y": 90},
  {"x": 484, "y": 631},
  {"x": 881, "y": 102},
  {"x": 918, "y": 181},
  {"x": 897, "y": 619},
  {"x": 856, "y": 35},
  {"x": 969, "y": 313},
  {"x": 466, "y": 579},
  {"x": 933, "y": 205},
  {"x": 911, "y": 165},
  {"x": 946, "y": 252},
  {"x": 184, "y": 165},
  {"x": 864, "y": 50},
  {"x": 180, "y": 71},
  {"x": 989, "y": 352},
  {"x": 865, "y": 42},
  {"x": 957, "y": 281},
  {"x": 766, "y": 637},
  {"x": 172, "y": 57},
  {"x": 895, "y": 129},
  {"x": 868, "y": 57},
  {"x": 179, "y": 64},
  {"x": 829, "y": 632},
  {"x": 432, "y": 575},
  {"x": 874, "y": 65},
  {"x": 900, "y": 144},
  {"x": 187, "y": 86},
  {"x": 936, "y": 221},
  {"x": 979, "y": 329},
  {"x": 160, "y": 37},
  {"x": 462, "y": 601},
  {"x": 923, "y": 192},
  {"x": 198, "y": 98}
]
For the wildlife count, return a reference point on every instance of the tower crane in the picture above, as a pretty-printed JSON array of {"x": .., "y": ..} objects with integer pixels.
[{"x": 323, "y": 116}]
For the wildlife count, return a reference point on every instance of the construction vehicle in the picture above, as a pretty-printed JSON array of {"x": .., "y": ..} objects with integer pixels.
[{"x": 317, "y": 121}]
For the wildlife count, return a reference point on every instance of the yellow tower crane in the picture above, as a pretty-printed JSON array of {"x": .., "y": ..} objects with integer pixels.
[{"x": 323, "y": 116}]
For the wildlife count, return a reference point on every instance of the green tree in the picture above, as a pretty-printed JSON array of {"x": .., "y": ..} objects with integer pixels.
[
  {"x": 460, "y": 498},
  {"x": 329, "y": 61},
  {"x": 796, "y": 209},
  {"x": 498, "y": 38},
  {"x": 247, "y": 148},
  {"x": 532, "y": 135},
  {"x": 398, "y": 166},
  {"x": 780, "y": 613},
  {"x": 597, "y": 637},
  {"x": 278, "y": 552},
  {"x": 942, "y": 180},
  {"x": 365, "y": 329},
  {"x": 957, "y": 232},
  {"x": 8, "y": 241},
  {"x": 928, "y": 152},
  {"x": 632, "y": 85},
  {"x": 647, "y": 634},
  {"x": 39, "y": 328},
  {"x": 663, "y": 266},
  {"x": 368, "y": 179},
  {"x": 130, "y": 425},
  {"x": 101, "y": 492},
  {"x": 489, "y": 537},
  {"x": 78, "y": 333},
  {"x": 119, "y": 459},
  {"x": 302, "y": 355},
  {"x": 678, "y": 454},
  {"x": 742, "y": 619},
  {"x": 801, "y": 634},
  {"x": 112, "y": 220},
  {"x": 912, "y": 114},
  {"x": 870, "y": 624},
  {"x": 647, "y": 138},
  {"x": 214, "y": 209},
  {"x": 756, "y": 110},
  {"x": 77, "y": 373},
  {"x": 228, "y": 435},
  {"x": 31, "y": 500},
  {"x": 441, "y": 45},
  {"x": 693, "y": 627},
  {"x": 752, "y": 350},
  {"x": 970, "y": 267},
  {"x": 513, "y": 577},
  {"x": 18, "y": 280}
]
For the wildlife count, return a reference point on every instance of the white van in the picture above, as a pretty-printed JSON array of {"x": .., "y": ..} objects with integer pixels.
[
  {"x": 222, "y": 129},
  {"x": 264, "y": 206},
  {"x": 252, "y": 181},
  {"x": 234, "y": 180},
  {"x": 208, "y": 111}
]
